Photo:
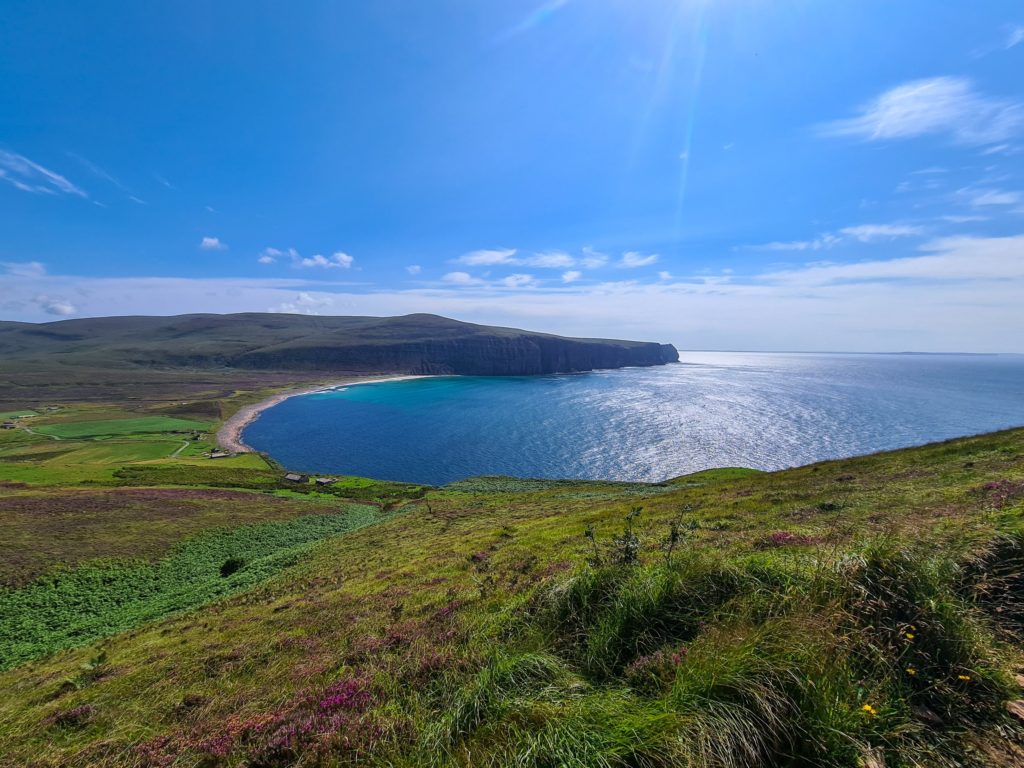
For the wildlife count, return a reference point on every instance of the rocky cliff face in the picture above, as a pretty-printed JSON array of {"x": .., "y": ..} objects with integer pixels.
[{"x": 476, "y": 356}]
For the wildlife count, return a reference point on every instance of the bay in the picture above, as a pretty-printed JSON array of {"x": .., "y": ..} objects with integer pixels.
[{"x": 762, "y": 410}]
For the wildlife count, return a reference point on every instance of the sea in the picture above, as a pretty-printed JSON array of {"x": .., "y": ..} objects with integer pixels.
[{"x": 713, "y": 409}]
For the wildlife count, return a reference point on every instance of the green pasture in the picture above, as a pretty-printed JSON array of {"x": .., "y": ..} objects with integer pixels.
[{"x": 109, "y": 427}]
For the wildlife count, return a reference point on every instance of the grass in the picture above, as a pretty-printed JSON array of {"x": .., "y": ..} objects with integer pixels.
[
  {"x": 110, "y": 427},
  {"x": 223, "y": 476},
  {"x": 69, "y": 607},
  {"x": 16, "y": 414},
  {"x": 44, "y": 528},
  {"x": 815, "y": 616}
]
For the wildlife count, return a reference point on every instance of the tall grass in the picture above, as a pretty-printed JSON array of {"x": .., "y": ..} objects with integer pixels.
[{"x": 761, "y": 660}]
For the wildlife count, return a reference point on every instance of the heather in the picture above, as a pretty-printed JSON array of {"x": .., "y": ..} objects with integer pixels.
[{"x": 867, "y": 608}]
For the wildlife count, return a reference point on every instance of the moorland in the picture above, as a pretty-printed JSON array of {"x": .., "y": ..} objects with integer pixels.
[{"x": 162, "y": 608}]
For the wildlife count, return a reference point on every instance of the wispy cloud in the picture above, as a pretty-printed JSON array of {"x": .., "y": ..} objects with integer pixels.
[
  {"x": 861, "y": 233},
  {"x": 519, "y": 281},
  {"x": 867, "y": 233},
  {"x": 593, "y": 259},
  {"x": 487, "y": 257},
  {"x": 819, "y": 243},
  {"x": 549, "y": 260},
  {"x": 535, "y": 18},
  {"x": 29, "y": 176},
  {"x": 947, "y": 106},
  {"x": 966, "y": 219},
  {"x": 980, "y": 198},
  {"x": 103, "y": 174},
  {"x": 212, "y": 244},
  {"x": 23, "y": 268},
  {"x": 571, "y": 276},
  {"x": 163, "y": 181},
  {"x": 414, "y": 269},
  {"x": 633, "y": 259},
  {"x": 953, "y": 258},
  {"x": 1014, "y": 37}
]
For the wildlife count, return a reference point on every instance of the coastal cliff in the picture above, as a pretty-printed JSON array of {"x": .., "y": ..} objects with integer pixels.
[{"x": 410, "y": 344}]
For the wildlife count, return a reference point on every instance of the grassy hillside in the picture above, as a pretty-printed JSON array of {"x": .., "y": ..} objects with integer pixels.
[
  {"x": 177, "y": 611},
  {"x": 94, "y": 358}
]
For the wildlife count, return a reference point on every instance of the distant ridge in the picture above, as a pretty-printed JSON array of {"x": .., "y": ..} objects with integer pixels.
[{"x": 410, "y": 344}]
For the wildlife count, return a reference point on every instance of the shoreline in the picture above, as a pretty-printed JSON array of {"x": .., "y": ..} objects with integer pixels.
[{"x": 229, "y": 435}]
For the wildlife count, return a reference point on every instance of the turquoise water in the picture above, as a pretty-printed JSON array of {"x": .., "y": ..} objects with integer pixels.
[{"x": 760, "y": 410}]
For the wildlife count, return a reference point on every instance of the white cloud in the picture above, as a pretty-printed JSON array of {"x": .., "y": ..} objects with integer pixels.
[
  {"x": 54, "y": 306},
  {"x": 23, "y": 268},
  {"x": 593, "y": 259},
  {"x": 632, "y": 259},
  {"x": 549, "y": 260},
  {"x": 269, "y": 255},
  {"x": 518, "y": 281},
  {"x": 487, "y": 257},
  {"x": 866, "y": 233},
  {"x": 663, "y": 275},
  {"x": 571, "y": 276},
  {"x": 461, "y": 278},
  {"x": 212, "y": 244},
  {"x": 337, "y": 260},
  {"x": 29, "y": 176},
  {"x": 508, "y": 257},
  {"x": 414, "y": 269},
  {"x": 939, "y": 105},
  {"x": 304, "y": 304},
  {"x": 983, "y": 197}
]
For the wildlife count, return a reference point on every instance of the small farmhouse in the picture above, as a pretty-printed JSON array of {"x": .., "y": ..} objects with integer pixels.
[
  {"x": 325, "y": 481},
  {"x": 292, "y": 477}
]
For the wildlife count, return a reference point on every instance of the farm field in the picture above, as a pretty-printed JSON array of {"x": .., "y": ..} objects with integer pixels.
[{"x": 109, "y": 427}]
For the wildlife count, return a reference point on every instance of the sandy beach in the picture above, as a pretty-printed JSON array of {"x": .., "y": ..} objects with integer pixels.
[{"x": 229, "y": 436}]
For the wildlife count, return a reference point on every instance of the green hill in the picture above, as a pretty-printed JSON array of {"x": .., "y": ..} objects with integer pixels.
[
  {"x": 407, "y": 344},
  {"x": 182, "y": 612}
]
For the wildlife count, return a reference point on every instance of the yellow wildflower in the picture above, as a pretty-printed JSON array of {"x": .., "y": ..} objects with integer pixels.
[
  {"x": 869, "y": 709},
  {"x": 963, "y": 677},
  {"x": 909, "y": 635},
  {"x": 911, "y": 671}
]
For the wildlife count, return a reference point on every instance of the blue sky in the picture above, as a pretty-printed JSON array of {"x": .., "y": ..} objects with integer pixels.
[{"x": 739, "y": 174}]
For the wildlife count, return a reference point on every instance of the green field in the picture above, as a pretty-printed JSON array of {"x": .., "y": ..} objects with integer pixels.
[
  {"x": 16, "y": 415},
  {"x": 111, "y": 427},
  {"x": 161, "y": 609}
]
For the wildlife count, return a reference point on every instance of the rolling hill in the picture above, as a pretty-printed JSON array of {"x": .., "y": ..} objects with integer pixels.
[{"x": 412, "y": 344}]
